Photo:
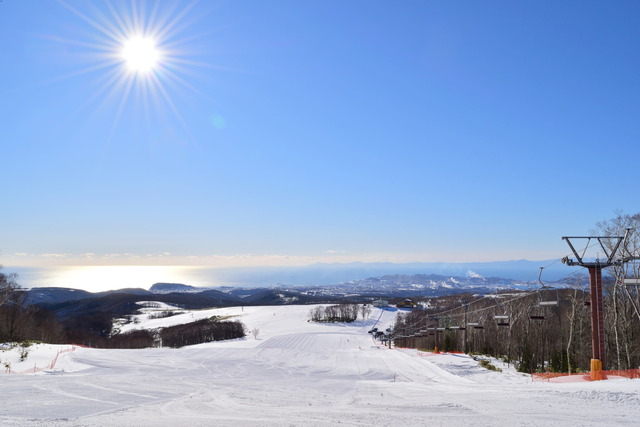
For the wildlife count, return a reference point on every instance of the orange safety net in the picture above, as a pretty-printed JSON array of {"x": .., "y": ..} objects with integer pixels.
[{"x": 585, "y": 376}]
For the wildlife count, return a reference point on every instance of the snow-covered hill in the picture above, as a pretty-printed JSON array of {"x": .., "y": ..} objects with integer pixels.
[
  {"x": 295, "y": 373},
  {"x": 428, "y": 284}
]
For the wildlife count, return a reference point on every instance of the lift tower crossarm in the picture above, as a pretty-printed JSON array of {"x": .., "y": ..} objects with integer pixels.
[{"x": 598, "y": 263}]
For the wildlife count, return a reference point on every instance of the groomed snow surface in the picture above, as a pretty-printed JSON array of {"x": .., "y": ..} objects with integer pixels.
[{"x": 294, "y": 373}]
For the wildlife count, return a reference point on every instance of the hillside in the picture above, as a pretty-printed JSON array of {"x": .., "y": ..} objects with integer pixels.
[
  {"x": 296, "y": 373},
  {"x": 394, "y": 285}
]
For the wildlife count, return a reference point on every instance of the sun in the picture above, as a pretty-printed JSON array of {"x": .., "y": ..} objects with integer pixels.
[
  {"x": 140, "y": 54},
  {"x": 140, "y": 51}
]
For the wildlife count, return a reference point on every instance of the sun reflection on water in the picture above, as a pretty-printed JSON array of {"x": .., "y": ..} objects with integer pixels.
[{"x": 104, "y": 278}]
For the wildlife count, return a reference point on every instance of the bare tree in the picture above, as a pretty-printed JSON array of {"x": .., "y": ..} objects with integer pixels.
[
  {"x": 365, "y": 311},
  {"x": 623, "y": 317},
  {"x": 8, "y": 286},
  {"x": 15, "y": 314}
]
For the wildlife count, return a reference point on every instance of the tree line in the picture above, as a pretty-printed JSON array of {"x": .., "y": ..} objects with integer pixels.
[
  {"x": 23, "y": 322},
  {"x": 339, "y": 313},
  {"x": 20, "y": 321}
]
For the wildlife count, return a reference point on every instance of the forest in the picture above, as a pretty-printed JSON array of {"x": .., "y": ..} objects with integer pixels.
[{"x": 545, "y": 329}]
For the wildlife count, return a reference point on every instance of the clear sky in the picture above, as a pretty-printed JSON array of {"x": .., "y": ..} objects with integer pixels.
[{"x": 292, "y": 132}]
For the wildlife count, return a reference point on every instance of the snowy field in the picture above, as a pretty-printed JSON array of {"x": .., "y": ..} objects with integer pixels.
[{"x": 294, "y": 373}]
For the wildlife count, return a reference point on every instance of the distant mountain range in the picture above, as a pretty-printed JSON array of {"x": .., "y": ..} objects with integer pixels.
[
  {"x": 329, "y": 274},
  {"x": 311, "y": 275},
  {"x": 396, "y": 285}
]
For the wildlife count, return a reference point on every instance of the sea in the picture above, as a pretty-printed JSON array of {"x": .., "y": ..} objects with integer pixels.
[{"x": 104, "y": 278}]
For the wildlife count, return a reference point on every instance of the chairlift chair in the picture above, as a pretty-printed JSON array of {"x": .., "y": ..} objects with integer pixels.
[
  {"x": 536, "y": 316},
  {"x": 475, "y": 325},
  {"x": 549, "y": 301},
  {"x": 502, "y": 319},
  {"x": 539, "y": 311},
  {"x": 633, "y": 280}
]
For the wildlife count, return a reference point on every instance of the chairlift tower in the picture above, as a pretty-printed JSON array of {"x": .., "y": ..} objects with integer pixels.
[{"x": 595, "y": 283}]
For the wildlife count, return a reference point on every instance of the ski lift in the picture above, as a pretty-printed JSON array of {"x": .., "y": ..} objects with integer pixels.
[
  {"x": 633, "y": 259},
  {"x": 475, "y": 325},
  {"x": 539, "y": 310},
  {"x": 546, "y": 302},
  {"x": 536, "y": 314},
  {"x": 502, "y": 320},
  {"x": 453, "y": 323},
  {"x": 633, "y": 280}
]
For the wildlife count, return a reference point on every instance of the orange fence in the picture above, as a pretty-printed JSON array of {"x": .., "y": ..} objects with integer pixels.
[
  {"x": 51, "y": 365},
  {"x": 560, "y": 377},
  {"x": 424, "y": 353}
]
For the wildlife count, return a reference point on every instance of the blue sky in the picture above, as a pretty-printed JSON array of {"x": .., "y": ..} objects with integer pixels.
[{"x": 290, "y": 132}]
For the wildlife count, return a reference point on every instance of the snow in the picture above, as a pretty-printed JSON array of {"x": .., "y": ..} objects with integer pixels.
[{"x": 294, "y": 373}]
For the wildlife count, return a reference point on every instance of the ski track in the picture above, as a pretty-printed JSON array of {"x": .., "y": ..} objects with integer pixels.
[{"x": 301, "y": 374}]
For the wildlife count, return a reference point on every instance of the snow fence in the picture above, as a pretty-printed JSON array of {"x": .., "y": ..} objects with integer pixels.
[
  {"x": 557, "y": 377},
  {"x": 51, "y": 365}
]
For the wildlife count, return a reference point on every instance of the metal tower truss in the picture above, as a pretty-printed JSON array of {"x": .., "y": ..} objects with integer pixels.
[{"x": 602, "y": 242}]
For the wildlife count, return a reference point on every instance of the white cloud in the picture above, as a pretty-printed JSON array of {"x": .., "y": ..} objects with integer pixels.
[{"x": 54, "y": 255}]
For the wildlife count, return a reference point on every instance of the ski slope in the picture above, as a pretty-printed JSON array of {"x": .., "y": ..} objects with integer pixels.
[{"x": 295, "y": 373}]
